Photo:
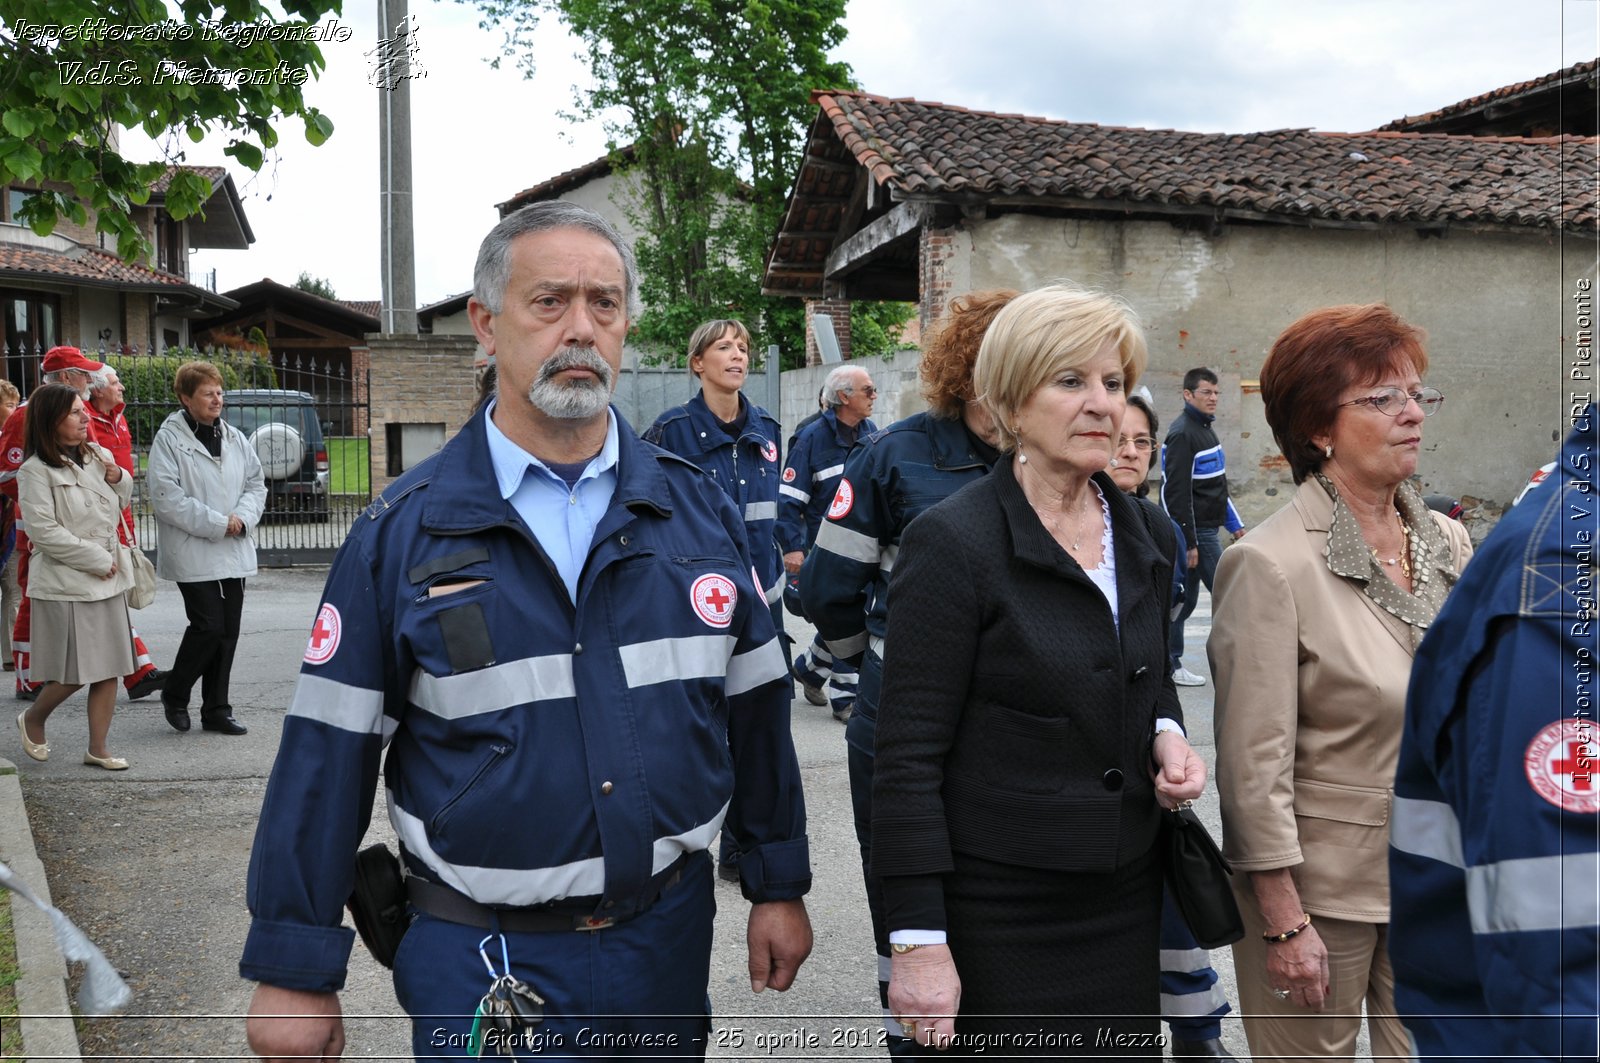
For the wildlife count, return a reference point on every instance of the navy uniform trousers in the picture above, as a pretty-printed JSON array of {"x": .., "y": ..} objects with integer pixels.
[{"x": 634, "y": 990}]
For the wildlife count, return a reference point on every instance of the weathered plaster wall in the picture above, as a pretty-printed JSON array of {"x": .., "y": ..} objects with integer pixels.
[{"x": 1498, "y": 309}]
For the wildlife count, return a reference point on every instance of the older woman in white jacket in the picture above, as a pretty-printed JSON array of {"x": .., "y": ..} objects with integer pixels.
[
  {"x": 73, "y": 493},
  {"x": 208, "y": 494}
]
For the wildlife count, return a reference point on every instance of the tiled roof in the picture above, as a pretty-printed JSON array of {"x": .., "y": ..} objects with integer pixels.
[
  {"x": 1578, "y": 73},
  {"x": 561, "y": 183},
  {"x": 85, "y": 265},
  {"x": 369, "y": 307},
  {"x": 950, "y": 155},
  {"x": 214, "y": 174}
]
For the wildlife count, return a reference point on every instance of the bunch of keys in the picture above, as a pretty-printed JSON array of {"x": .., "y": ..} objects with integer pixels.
[{"x": 507, "y": 1010}]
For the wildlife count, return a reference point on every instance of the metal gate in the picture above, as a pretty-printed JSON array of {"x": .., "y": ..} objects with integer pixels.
[{"x": 306, "y": 417}]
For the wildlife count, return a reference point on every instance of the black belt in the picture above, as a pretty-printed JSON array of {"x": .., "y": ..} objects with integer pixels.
[{"x": 570, "y": 914}]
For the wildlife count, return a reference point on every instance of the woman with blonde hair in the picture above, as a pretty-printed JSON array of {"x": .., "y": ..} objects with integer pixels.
[
  {"x": 736, "y": 443},
  {"x": 208, "y": 493},
  {"x": 1029, "y": 732}
]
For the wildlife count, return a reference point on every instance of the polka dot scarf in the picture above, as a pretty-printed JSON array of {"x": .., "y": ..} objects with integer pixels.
[{"x": 1433, "y": 571}]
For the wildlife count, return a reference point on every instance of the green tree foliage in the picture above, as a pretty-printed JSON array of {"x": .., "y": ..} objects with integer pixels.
[
  {"x": 315, "y": 285},
  {"x": 72, "y": 71},
  {"x": 714, "y": 97}
]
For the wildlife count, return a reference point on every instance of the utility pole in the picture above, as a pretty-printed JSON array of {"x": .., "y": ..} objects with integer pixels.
[{"x": 394, "y": 68}]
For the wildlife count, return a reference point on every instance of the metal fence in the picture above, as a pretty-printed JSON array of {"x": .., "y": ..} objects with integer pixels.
[{"x": 305, "y": 416}]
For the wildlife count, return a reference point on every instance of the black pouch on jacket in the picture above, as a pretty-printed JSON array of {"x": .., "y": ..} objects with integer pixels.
[
  {"x": 1197, "y": 877},
  {"x": 378, "y": 903}
]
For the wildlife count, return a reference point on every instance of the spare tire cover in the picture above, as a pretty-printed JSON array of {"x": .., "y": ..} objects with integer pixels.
[{"x": 280, "y": 450}]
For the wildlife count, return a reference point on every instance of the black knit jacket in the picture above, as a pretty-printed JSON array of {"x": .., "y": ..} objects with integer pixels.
[{"x": 1016, "y": 721}]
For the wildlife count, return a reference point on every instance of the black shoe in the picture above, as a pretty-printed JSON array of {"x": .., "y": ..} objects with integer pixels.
[
  {"x": 222, "y": 723},
  {"x": 148, "y": 685},
  {"x": 1208, "y": 1049},
  {"x": 177, "y": 715},
  {"x": 26, "y": 693}
]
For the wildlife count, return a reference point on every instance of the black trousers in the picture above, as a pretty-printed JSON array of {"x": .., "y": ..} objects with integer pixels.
[{"x": 206, "y": 652}]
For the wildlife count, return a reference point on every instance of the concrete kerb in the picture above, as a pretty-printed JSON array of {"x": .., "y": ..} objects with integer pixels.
[{"x": 48, "y": 1031}]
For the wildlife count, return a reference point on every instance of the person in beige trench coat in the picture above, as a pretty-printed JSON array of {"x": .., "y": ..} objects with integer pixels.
[
  {"x": 1316, "y": 619},
  {"x": 73, "y": 492}
]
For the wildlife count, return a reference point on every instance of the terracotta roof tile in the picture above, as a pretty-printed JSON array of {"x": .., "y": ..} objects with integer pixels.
[
  {"x": 214, "y": 174},
  {"x": 85, "y": 265},
  {"x": 933, "y": 150},
  {"x": 1472, "y": 103}
]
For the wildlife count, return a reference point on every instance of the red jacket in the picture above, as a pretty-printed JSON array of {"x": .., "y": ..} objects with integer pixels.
[
  {"x": 110, "y": 430},
  {"x": 11, "y": 440}
]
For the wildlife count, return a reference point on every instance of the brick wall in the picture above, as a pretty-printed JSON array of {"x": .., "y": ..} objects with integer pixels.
[
  {"x": 839, "y": 311},
  {"x": 416, "y": 380},
  {"x": 935, "y": 253},
  {"x": 136, "y": 320}
]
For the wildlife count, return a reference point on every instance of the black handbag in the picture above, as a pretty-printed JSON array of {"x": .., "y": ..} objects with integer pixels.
[{"x": 1197, "y": 878}]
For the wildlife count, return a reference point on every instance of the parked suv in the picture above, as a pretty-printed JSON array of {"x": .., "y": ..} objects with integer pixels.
[{"x": 287, "y": 436}]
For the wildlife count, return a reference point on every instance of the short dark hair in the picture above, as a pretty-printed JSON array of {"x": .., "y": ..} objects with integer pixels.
[
  {"x": 1139, "y": 403},
  {"x": 1316, "y": 359},
  {"x": 46, "y": 407},
  {"x": 1192, "y": 379}
]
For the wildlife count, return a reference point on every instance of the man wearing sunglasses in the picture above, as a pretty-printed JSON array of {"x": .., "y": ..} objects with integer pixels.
[
  {"x": 808, "y": 489},
  {"x": 1194, "y": 490}
]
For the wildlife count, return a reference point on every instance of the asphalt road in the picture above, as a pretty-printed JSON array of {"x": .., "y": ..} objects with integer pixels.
[{"x": 151, "y": 864}]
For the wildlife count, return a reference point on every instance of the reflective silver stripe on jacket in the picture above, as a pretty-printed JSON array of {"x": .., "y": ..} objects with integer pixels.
[
  {"x": 521, "y": 887},
  {"x": 1509, "y": 896}
]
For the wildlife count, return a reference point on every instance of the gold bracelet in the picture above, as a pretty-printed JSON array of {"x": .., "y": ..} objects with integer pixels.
[{"x": 1287, "y": 934}]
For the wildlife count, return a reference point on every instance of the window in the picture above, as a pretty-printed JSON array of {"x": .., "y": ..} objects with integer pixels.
[
  {"x": 169, "y": 245},
  {"x": 32, "y": 323},
  {"x": 410, "y": 443},
  {"x": 15, "y": 198}
]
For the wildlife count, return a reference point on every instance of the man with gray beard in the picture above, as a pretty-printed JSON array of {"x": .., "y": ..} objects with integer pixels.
[{"x": 557, "y": 635}]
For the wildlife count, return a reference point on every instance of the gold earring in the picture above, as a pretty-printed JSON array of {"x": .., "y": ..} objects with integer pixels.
[{"x": 1016, "y": 430}]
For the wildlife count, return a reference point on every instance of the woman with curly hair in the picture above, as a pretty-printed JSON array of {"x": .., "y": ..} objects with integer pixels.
[{"x": 894, "y": 476}]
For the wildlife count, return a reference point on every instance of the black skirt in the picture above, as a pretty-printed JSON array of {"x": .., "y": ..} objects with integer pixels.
[{"x": 1053, "y": 963}]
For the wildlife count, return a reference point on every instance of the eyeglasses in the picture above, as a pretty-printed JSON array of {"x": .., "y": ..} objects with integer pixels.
[
  {"x": 1392, "y": 401},
  {"x": 870, "y": 392},
  {"x": 1138, "y": 442}
]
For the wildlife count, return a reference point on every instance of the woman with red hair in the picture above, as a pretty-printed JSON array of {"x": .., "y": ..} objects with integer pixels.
[{"x": 1316, "y": 618}]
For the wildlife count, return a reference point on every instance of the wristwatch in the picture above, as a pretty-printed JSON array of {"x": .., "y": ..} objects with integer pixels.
[{"x": 900, "y": 948}]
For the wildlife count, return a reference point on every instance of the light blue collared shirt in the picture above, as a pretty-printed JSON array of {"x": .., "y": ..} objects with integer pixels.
[{"x": 563, "y": 519}]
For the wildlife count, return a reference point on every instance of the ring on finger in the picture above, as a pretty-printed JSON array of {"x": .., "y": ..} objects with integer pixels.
[{"x": 1281, "y": 994}]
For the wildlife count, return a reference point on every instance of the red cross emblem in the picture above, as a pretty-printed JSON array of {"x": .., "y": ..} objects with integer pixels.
[
  {"x": 713, "y": 597},
  {"x": 1562, "y": 762},
  {"x": 843, "y": 499},
  {"x": 14, "y": 455},
  {"x": 788, "y": 475},
  {"x": 324, "y": 636},
  {"x": 769, "y": 450}
]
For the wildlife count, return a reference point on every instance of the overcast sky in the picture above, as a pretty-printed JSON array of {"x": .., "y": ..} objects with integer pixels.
[{"x": 480, "y": 135}]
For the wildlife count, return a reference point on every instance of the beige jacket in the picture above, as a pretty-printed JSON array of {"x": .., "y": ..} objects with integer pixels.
[
  {"x": 72, "y": 523},
  {"x": 1311, "y": 679}
]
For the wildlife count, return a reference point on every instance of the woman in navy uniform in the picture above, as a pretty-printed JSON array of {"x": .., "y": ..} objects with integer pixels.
[{"x": 736, "y": 442}]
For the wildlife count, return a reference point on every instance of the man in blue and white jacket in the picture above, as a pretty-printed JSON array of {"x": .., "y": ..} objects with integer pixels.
[
  {"x": 1194, "y": 492},
  {"x": 1494, "y": 859},
  {"x": 553, "y": 629}
]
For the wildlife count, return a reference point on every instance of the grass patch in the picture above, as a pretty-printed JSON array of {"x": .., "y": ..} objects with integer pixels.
[
  {"x": 349, "y": 465},
  {"x": 10, "y": 1026}
]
